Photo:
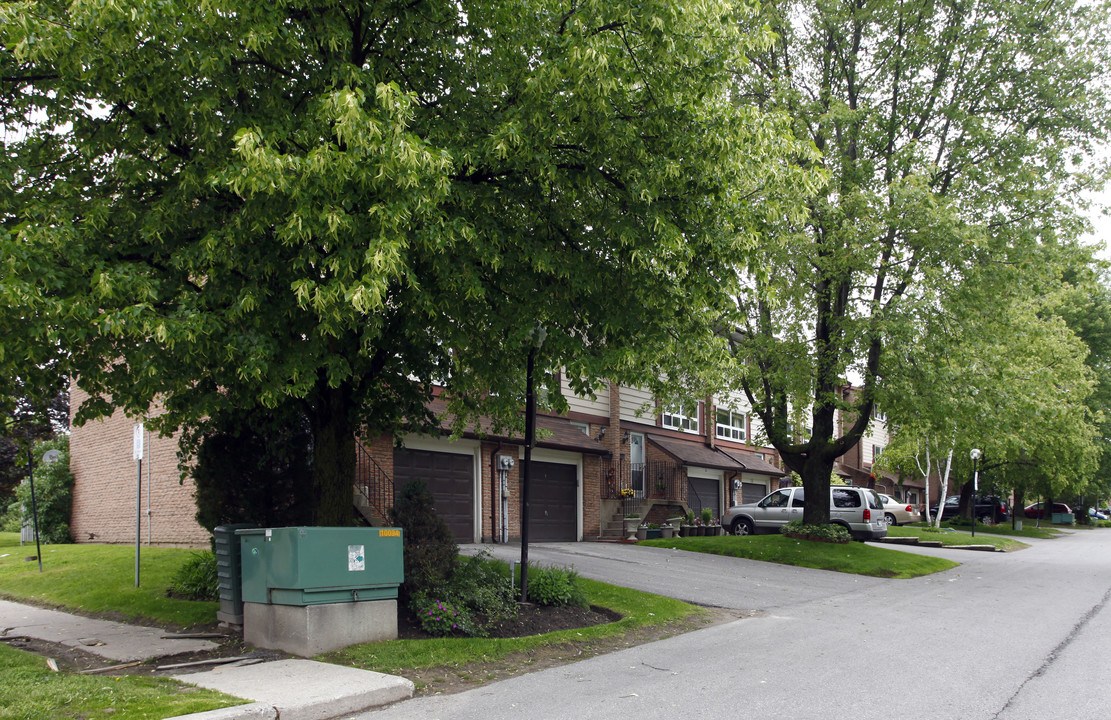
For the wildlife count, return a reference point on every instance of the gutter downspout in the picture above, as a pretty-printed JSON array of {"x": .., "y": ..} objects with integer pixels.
[{"x": 495, "y": 493}]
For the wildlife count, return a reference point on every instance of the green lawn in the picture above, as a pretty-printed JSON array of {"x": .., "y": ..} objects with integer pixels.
[
  {"x": 852, "y": 557},
  {"x": 29, "y": 689},
  {"x": 100, "y": 578},
  {"x": 984, "y": 536},
  {"x": 1045, "y": 532}
]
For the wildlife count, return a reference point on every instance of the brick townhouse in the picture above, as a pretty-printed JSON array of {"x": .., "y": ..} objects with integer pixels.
[{"x": 672, "y": 459}]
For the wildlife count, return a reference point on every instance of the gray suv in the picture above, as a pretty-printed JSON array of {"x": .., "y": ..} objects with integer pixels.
[{"x": 857, "y": 509}]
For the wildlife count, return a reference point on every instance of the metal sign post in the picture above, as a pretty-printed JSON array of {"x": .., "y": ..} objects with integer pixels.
[
  {"x": 34, "y": 506},
  {"x": 137, "y": 454}
]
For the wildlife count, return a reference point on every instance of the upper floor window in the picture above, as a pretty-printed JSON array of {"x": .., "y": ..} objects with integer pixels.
[
  {"x": 879, "y": 414},
  {"x": 877, "y": 450},
  {"x": 681, "y": 418},
  {"x": 585, "y": 427},
  {"x": 731, "y": 425}
]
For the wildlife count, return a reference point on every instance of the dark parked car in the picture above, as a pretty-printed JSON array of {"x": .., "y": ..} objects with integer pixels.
[
  {"x": 1036, "y": 510},
  {"x": 989, "y": 509}
]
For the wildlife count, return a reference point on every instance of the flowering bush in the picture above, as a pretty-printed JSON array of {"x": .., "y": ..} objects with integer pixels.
[
  {"x": 441, "y": 618},
  {"x": 628, "y": 492}
]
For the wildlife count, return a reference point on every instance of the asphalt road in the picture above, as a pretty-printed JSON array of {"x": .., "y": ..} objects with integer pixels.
[{"x": 1005, "y": 635}]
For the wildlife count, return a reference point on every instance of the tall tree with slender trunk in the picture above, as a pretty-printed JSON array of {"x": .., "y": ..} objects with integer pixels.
[{"x": 956, "y": 136}]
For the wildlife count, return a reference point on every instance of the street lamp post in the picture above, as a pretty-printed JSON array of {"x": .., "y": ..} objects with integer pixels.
[
  {"x": 975, "y": 455},
  {"x": 530, "y": 437}
]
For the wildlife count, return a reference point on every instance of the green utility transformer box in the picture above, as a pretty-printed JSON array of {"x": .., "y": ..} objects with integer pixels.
[
  {"x": 308, "y": 590},
  {"x": 315, "y": 565}
]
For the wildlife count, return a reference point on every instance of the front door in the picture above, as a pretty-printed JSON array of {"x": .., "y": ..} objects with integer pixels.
[{"x": 636, "y": 462}]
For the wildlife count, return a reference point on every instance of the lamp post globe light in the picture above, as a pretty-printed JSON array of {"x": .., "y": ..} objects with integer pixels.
[{"x": 975, "y": 455}]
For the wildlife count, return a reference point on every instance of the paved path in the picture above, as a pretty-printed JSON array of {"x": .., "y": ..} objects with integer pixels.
[
  {"x": 111, "y": 640},
  {"x": 1005, "y": 636}
]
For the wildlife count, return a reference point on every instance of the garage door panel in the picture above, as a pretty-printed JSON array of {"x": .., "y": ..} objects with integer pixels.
[
  {"x": 553, "y": 502},
  {"x": 703, "y": 493},
  {"x": 450, "y": 479}
]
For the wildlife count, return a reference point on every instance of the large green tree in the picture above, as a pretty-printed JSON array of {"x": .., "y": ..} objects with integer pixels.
[
  {"x": 223, "y": 204},
  {"x": 955, "y": 135}
]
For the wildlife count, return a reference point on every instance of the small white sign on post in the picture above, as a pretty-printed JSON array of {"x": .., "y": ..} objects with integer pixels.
[{"x": 137, "y": 442}]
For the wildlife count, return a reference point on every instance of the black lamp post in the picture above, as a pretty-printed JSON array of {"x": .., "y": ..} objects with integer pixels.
[
  {"x": 530, "y": 437},
  {"x": 975, "y": 455}
]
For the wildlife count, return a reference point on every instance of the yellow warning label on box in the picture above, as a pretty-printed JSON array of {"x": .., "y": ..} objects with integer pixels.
[{"x": 389, "y": 533}]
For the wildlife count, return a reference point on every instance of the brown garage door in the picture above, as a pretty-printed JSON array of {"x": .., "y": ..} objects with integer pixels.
[
  {"x": 704, "y": 493},
  {"x": 449, "y": 477},
  {"x": 553, "y": 503}
]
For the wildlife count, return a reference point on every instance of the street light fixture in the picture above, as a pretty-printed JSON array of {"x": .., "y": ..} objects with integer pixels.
[{"x": 975, "y": 455}]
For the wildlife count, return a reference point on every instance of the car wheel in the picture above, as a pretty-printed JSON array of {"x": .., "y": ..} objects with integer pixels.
[
  {"x": 742, "y": 526},
  {"x": 890, "y": 519}
]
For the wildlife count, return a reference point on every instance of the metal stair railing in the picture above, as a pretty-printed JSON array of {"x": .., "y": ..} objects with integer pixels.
[{"x": 373, "y": 483}]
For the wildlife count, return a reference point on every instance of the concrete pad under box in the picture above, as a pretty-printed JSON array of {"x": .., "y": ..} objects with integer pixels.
[{"x": 309, "y": 630}]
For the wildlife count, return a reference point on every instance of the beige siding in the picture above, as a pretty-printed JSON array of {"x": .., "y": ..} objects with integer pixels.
[
  {"x": 576, "y": 403},
  {"x": 632, "y": 402}
]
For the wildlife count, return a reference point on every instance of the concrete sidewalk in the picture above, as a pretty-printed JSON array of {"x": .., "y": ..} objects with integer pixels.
[{"x": 291, "y": 689}]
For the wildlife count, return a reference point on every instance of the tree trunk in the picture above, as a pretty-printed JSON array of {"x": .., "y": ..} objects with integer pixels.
[
  {"x": 333, "y": 467},
  {"x": 815, "y": 480},
  {"x": 968, "y": 503}
]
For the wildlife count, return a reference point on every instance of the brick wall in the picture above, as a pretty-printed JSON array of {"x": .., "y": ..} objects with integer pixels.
[{"x": 105, "y": 479}]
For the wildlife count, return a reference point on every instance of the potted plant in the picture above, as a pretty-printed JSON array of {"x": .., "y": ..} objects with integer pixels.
[
  {"x": 706, "y": 518},
  {"x": 667, "y": 531},
  {"x": 642, "y": 532},
  {"x": 653, "y": 531},
  {"x": 688, "y": 524},
  {"x": 661, "y": 489},
  {"x": 632, "y": 520}
]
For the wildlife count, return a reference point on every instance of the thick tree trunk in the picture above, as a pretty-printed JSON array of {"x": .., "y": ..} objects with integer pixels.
[
  {"x": 968, "y": 503},
  {"x": 815, "y": 480},
  {"x": 333, "y": 466}
]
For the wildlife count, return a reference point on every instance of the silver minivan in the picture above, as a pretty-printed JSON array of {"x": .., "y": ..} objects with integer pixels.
[{"x": 858, "y": 509}]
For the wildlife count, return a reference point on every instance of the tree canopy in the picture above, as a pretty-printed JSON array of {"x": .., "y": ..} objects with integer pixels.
[
  {"x": 225, "y": 204},
  {"x": 956, "y": 137}
]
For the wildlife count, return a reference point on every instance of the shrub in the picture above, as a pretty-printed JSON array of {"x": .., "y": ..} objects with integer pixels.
[
  {"x": 429, "y": 548},
  {"x": 707, "y": 516},
  {"x": 254, "y": 466},
  {"x": 197, "y": 578},
  {"x": 482, "y": 585},
  {"x": 53, "y": 495},
  {"x": 441, "y": 619},
  {"x": 819, "y": 533},
  {"x": 556, "y": 586}
]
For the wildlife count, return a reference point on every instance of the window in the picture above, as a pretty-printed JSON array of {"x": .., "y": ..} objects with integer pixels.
[
  {"x": 846, "y": 498},
  {"x": 731, "y": 425},
  {"x": 879, "y": 414},
  {"x": 779, "y": 498},
  {"x": 877, "y": 450},
  {"x": 677, "y": 418},
  {"x": 581, "y": 426}
]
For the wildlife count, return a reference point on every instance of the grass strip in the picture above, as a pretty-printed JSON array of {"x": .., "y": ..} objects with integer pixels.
[
  {"x": 951, "y": 537},
  {"x": 397, "y": 657},
  {"x": 856, "y": 558},
  {"x": 29, "y": 689},
  {"x": 101, "y": 579}
]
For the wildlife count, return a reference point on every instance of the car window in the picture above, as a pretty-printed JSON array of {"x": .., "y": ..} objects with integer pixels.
[
  {"x": 778, "y": 498},
  {"x": 799, "y": 500},
  {"x": 953, "y": 500},
  {"x": 846, "y": 498},
  {"x": 874, "y": 501}
]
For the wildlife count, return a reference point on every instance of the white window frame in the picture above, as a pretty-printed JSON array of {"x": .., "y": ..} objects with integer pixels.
[
  {"x": 585, "y": 427},
  {"x": 676, "y": 418},
  {"x": 731, "y": 431}
]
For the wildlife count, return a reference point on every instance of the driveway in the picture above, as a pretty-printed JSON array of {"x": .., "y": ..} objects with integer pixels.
[{"x": 1005, "y": 635}]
